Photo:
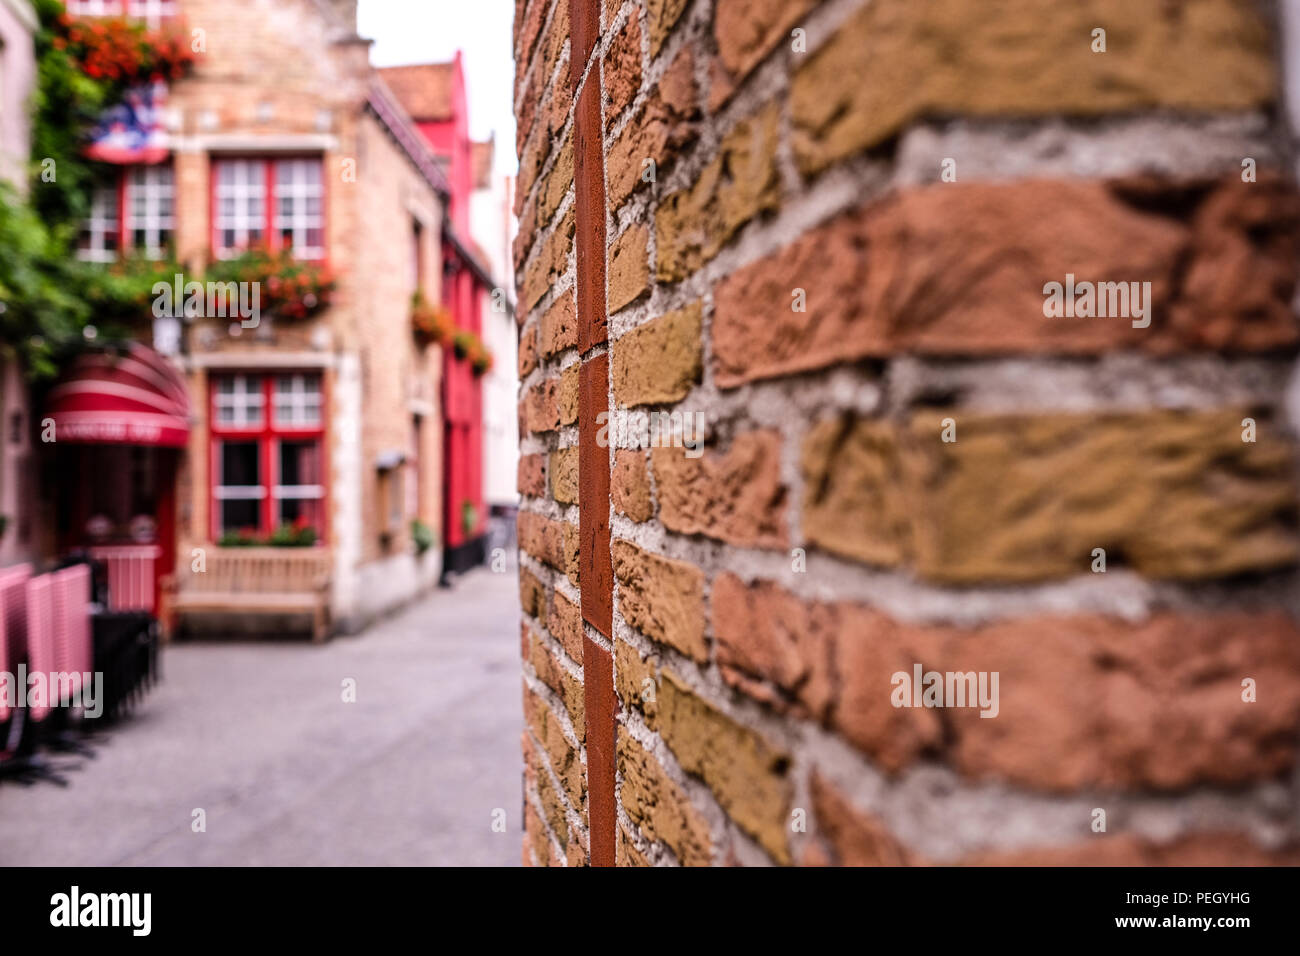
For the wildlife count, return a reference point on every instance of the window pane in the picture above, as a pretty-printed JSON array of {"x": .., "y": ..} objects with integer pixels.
[
  {"x": 236, "y": 515},
  {"x": 297, "y": 401},
  {"x": 241, "y": 189},
  {"x": 239, "y": 464},
  {"x": 299, "y": 463}
]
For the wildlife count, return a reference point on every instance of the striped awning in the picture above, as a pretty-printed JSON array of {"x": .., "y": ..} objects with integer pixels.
[{"x": 127, "y": 397}]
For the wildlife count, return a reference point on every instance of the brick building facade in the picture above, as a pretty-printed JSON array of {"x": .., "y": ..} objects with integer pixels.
[
  {"x": 284, "y": 133},
  {"x": 828, "y": 229},
  {"x": 17, "y": 80}
]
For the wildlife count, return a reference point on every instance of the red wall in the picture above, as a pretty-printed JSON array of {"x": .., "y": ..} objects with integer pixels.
[{"x": 462, "y": 398}]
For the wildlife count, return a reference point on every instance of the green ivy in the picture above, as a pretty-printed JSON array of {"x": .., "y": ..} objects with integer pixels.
[{"x": 48, "y": 296}]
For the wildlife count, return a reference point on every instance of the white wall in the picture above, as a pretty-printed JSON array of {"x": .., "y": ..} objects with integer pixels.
[{"x": 493, "y": 227}]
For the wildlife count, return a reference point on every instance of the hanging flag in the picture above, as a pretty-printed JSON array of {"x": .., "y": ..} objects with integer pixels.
[{"x": 132, "y": 132}]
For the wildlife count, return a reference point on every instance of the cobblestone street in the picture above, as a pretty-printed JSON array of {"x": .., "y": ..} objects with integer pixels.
[{"x": 258, "y": 736}]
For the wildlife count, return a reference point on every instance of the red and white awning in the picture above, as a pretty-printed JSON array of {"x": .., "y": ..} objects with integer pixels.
[{"x": 130, "y": 398}]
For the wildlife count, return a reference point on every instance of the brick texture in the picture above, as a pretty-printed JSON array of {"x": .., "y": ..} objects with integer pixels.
[{"x": 827, "y": 235}]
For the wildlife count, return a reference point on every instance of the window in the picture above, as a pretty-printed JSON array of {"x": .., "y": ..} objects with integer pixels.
[
  {"x": 268, "y": 446},
  {"x": 152, "y": 12},
  {"x": 101, "y": 232},
  {"x": 291, "y": 217},
  {"x": 417, "y": 256},
  {"x": 241, "y": 205},
  {"x": 299, "y": 224},
  {"x": 149, "y": 195},
  {"x": 297, "y": 401},
  {"x": 95, "y": 8},
  {"x": 239, "y": 401}
]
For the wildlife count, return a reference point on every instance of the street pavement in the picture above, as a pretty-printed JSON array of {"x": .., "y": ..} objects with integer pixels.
[{"x": 258, "y": 737}]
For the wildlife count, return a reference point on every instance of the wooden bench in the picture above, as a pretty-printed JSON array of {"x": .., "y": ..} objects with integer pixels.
[{"x": 252, "y": 581}]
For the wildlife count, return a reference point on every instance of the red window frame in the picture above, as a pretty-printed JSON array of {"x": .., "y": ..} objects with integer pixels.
[
  {"x": 270, "y": 236},
  {"x": 267, "y": 435}
]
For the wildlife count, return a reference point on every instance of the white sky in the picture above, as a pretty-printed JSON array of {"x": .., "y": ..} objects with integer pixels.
[{"x": 423, "y": 31}]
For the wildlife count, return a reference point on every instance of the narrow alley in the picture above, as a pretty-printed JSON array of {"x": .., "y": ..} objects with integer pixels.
[{"x": 257, "y": 735}]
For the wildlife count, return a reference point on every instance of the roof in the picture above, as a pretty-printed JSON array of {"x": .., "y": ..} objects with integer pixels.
[
  {"x": 481, "y": 163},
  {"x": 380, "y": 102},
  {"x": 424, "y": 90}
]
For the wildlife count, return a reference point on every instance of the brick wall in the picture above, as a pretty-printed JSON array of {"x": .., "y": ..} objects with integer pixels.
[
  {"x": 288, "y": 78},
  {"x": 826, "y": 229}
]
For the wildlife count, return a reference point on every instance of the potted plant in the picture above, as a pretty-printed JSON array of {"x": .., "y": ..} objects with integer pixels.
[
  {"x": 422, "y": 536},
  {"x": 431, "y": 323}
]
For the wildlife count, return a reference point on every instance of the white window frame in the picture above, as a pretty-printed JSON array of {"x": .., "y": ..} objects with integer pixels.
[
  {"x": 298, "y": 189},
  {"x": 94, "y": 8},
  {"x": 247, "y": 191},
  {"x": 104, "y": 220},
  {"x": 241, "y": 401},
  {"x": 299, "y": 400},
  {"x": 156, "y": 186},
  {"x": 152, "y": 12}
]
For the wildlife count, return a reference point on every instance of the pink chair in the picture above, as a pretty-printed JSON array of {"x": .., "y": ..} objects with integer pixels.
[
  {"x": 70, "y": 596},
  {"x": 13, "y": 626},
  {"x": 42, "y": 655}
]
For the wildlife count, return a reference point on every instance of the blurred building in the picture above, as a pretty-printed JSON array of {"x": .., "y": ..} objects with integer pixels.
[
  {"x": 434, "y": 95},
  {"x": 825, "y": 246},
  {"x": 339, "y": 430},
  {"x": 493, "y": 224},
  {"x": 17, "y": 77}
]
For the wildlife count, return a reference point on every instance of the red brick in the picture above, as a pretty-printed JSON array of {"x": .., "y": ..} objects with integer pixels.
[
  {"x": 899, "y": 276},
  {"x": 747, "y": 30},
  {"x": 737, "y": 496},
  {"x": 543, "y": 538},
  {"x": 539, "y": 408},
  {"x": 630, "y": 485},
  {"x": 662, "y": 598},
  {"x": 565, "y": 625},
  {"x": 559, "y": 326},
  {"x": 623, "y": 68},
  {"x": 532, "y": 594},
  {"x": 856, "y": 838},
  {"x": 593, "y": 496},
  {"x": 660, "y": 131},
  {"x": 584, "y": 18},
  {"x": 602, "y": 709},
  {"x": 532, "y": 476},
  {"x": 1084, "y": 701},
  {"x": 528, "y": 352},
  {"x": 1197, "y": 849},
  {"x": 589, "y": 204}
]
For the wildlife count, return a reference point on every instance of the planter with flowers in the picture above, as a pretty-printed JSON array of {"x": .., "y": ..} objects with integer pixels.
[
  {"x": 468, "y": 347},
  {"x": 123, "y": 51},
  {"x": 431, "y": 323},
  {"x": 288, "y": 287},
  {"x": 481, "y": 359}
]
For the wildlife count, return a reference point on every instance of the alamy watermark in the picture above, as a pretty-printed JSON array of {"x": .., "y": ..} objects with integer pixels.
[
  {"x": 212, "y": 300},
  {"x": 627, "y": 429},
  {"x": 1102, "y": 300},
  {"x": 53, "y": 689},
  {"x": 923, "y": 688}
]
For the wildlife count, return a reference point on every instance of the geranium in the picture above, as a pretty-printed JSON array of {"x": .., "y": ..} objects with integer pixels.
[
  {"x": 431, "y": 323},
  {"x": 122, "y": 51},
  {"x": 288, "y": 287}
]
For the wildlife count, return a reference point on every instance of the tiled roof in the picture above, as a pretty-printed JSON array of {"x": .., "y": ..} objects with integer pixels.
[{"x": 424, "y": 90}]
